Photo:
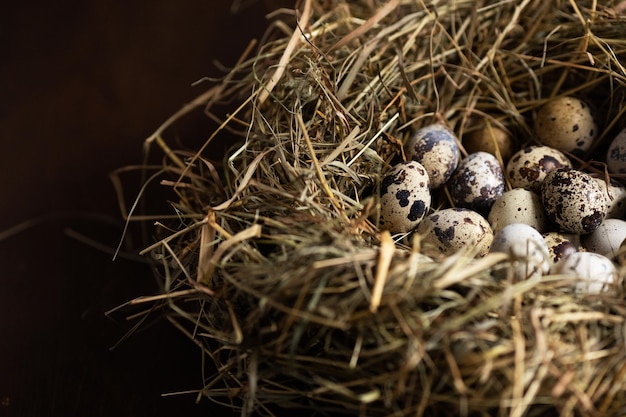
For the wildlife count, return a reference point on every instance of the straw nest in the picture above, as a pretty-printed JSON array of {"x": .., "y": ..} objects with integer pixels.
[{"x": 272, "y": 259}]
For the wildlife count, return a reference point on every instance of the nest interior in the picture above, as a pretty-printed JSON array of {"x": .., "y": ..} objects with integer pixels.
[{"x": 271, "y": 257}]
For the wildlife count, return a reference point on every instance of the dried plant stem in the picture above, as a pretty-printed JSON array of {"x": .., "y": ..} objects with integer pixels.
[
  {"x": 295, "y": 39},
  {"x": 387, "y": 248}
]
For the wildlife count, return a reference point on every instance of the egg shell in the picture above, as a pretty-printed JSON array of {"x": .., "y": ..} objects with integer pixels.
[
  {"x": 607, "y": 238},
  {"x": 450, "y": 230},
  {"x": 567, "y": 124},
  {"x": 477, "y": 182},
  {"x": 528, "y": 167},
  {"x": 527, "y": 248},
  {"x": 594, "y": 273},
  {"x": 561, "y": 244},
  {"x": 436, "y": 148},
  {"x": 491, "y": 139},
  {"x": 404, "y": 197},
  {"x": 573, "y": 201},
  {"x": 616, "y": 154},
  {"x": 615, "y": 197},
  {"x": 518, "y": 206}
]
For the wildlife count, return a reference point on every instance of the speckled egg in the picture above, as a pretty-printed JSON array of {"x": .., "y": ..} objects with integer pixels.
[
  {"x": 616, "y": 154},
  {"x": 593, "y": 272},
  {"x": 450, "y": 230},
  {"x": 404, "y": 197},
  {"x": 436, "y": 148},
  {"x": 573, "y": 201},
  {"x": 527, "y": 248},
  {"x": 528, "y": 167},
  {"x": 615, "y": 196},
  {"x": 490, "y": 139},
  {"x": 561, "y": 244},
  {"x": 477, "y": 182},
  {"x": 518, "y": 206},
  {"x": 566, "y": 124},
  {"x": 607, "y": 238}
]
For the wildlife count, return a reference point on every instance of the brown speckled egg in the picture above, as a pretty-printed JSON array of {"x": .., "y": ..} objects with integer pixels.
[
  {"x": 447, "y": 231},
  {"x": 436, "y": 148},
  {"x": 404, "y": 197},
  {"x": 518, "y": 206},
  {"x": 489, "y": 139},
  {"x": 615, "y": 196},
  {"x": 566, "y": 124},
  {"x": 616, "y": 154},
  {"x": 561, "y": 244},
  {"x": 528, "y": 167},
  {"x": 477, "y": 182},
  {"x": 573, "y": 201}
]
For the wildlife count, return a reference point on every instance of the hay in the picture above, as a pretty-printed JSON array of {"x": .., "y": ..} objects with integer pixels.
[{"x": 272, "y": 261}]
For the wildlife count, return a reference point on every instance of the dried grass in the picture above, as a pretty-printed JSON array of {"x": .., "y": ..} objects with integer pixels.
[{"x": 272, "y": 261}]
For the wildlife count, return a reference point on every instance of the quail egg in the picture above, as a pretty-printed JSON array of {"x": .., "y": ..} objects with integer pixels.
[
  {"x": 527, "y": 249},
  {"x": 561, "y": 244},
  {"x": 573, "y": 201},
  {"x": 607, "y": 238},
  {"x": 528, "y": 167},
  {"x": 477, "y": 182},
  {"x": 616, "y": 154},
  {"x": 567, "y": 124},
  {"x": 450, "y": 230},
  {"x": 404, "y": 197},
  {"x": 594, "y": 273},
  {"x": 490, "y": 139},
  {"x": 518, "y": 206},
  {"x": 436, "y": 148}
]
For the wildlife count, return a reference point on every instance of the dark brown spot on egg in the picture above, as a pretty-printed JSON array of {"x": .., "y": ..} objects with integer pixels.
[
  {"x": 562, "y": 250},
  {"x": 397, "y": 178},
  {"x": 418, "y": 208},
  {"x": 403, "y": 197},
  {"x": 529, "y": 173},
  {"x": 575, "y": 128},
  {"x": 549, "y": 163},
  {"x": 592, "y": 222},
  {"x": 444, "y": 235}
]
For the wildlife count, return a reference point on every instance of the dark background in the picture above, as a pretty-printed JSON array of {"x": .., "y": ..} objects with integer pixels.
[{"x": 82, "y": 84}]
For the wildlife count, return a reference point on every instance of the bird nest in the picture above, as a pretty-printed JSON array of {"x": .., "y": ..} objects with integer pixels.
[{"x": 272, "y": 259}]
